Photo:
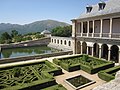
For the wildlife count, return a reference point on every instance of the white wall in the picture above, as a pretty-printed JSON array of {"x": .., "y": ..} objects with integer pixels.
[{"x": 59, "y": 45}]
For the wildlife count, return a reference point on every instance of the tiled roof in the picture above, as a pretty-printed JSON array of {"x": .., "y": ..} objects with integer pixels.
[
  {"x": 112, "y": 6},
  {"x": 45, "y": 32}
]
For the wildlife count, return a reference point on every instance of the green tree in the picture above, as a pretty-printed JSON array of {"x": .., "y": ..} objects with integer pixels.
[
  {"x": 14, "y": 33},
  {"x": 38, "y": 36},
  {"x": 18, "y": 38},
  {"x": 62, "y": 31},
  {"x": 5, "y": 38}
]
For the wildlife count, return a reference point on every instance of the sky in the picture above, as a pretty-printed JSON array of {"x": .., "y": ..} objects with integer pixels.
[{"x": 28, "y": 11}]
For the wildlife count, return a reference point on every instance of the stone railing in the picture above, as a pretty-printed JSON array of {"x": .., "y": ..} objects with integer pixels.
[
  {"x": 84, "y": 34},
  {"x": 115, "y": 35},
  {"x": 105, "y": 35},
  {"x": 89, "y": 34}
]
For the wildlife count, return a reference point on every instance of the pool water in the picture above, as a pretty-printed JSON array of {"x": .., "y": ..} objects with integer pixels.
[{"x": 26, "y": 51}]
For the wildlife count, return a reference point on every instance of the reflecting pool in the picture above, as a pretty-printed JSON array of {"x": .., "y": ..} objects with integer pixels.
[{"x": 25, "y": 51}]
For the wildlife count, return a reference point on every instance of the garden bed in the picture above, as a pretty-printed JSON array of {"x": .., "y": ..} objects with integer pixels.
[
  {"x": 108, "y": 74},
  {"x": 29, "y": 76},
  {"x": 87, "y": 63}
]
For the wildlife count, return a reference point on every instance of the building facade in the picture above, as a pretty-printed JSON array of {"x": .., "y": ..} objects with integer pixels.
[
  {"x": 97, "y": 31},
  {"x": 61, "y": 43}
]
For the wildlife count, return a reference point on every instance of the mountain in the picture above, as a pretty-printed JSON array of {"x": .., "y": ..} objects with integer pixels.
[{"x": 37, "y": 26}]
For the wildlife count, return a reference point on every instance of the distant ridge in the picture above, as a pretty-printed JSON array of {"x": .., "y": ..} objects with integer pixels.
[{"x": 37, "y": 26}]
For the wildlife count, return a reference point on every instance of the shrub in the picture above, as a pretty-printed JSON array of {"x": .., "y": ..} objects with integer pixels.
[
  {"x": 87, "y": 63},
  {"x": 107, "y": 74}
]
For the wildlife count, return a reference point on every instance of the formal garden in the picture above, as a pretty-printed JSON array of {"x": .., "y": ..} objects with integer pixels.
[
  {"x": 30, "y": 76},
  {"x": 87, "y": 63}
]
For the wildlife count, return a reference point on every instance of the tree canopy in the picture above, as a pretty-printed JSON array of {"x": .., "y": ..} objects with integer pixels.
[
  {"x": 6, "y": 38},
  {"x": 62, "y": 31}
]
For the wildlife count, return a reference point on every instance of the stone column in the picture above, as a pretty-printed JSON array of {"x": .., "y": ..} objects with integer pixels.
[
  {"x": 111, "y": 23},
  {"x": 100, "y": 45},
  {"x": 101, "y": 27},
  {"x": 87, "y": 50},
  {"x": 81, "y": 47},
  {"x": 92, "y": 51},
  {"x": 109, "y": 52},
  {"x": 93, "y": 28},
  {"x": 74, "y": 35},
  {"x": 81, "y": 29},
  {"x": 74, "y": 47},
  {"x": 88, "y": 24},
  {"x": 73, "y": 28}
]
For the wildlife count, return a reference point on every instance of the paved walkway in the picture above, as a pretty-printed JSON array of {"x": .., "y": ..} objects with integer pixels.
[{"x": 61, "y": 78}]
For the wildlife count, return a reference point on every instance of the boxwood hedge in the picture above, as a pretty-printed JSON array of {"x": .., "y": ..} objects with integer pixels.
[
  {"x": 108, "y": 74},
  {"x": 87, "y": 63},
  {"x": 29, "y": 76}
]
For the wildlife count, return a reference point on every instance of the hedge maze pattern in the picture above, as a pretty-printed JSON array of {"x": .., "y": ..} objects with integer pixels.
[
  {"x": 22, "y": 75},
  {"x": 85, "y": 60}
]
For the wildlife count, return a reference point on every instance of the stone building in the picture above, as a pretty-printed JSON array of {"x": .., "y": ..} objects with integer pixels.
[
  {"x": 46, "y": 32},
  {"x": 97, "y": 31},
  {"x": 61, "y": 43}
]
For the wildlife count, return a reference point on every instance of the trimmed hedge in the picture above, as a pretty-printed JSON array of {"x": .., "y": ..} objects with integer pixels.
[
  {"x": 29, "y": 76},
  {"x": 107, "y": 74},
  {"x": 87, "y": 63}
]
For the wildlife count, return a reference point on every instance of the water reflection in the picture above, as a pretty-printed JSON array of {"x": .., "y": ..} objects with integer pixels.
[{"x": 16, "y": 52}]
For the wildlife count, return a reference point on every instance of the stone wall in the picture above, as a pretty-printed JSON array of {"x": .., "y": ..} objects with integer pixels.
[
  {"x": 61, "y": 43},
  {"x": 33, "y": 57},
  {"x": 40, "y": 42}
]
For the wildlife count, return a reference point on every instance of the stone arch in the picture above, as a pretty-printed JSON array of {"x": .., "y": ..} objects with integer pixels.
[
  {"x": 54, "y": 40},
  {"x": 84, "y": 48},
  {"x": 114, "y": 54},
  {"x": 69, "y": 43},
  {"x": 96, "y": 50},
  {"x": 61, "y": 42},
  {"x": 104, "y": 51},
  {"x": 78, "y": 47},
  {"x": 57, "y": 41},
  {"x": 65, "y": 42}
]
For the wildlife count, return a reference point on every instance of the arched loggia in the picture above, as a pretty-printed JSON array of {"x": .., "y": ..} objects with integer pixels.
[
  {"x": 104, "y": 51},
  {"x": 84, "y": 48},
  {"x": 114, "y": 54},
  {"x": 78, "y": 47},
  {"x": 96, "y": 50}
]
